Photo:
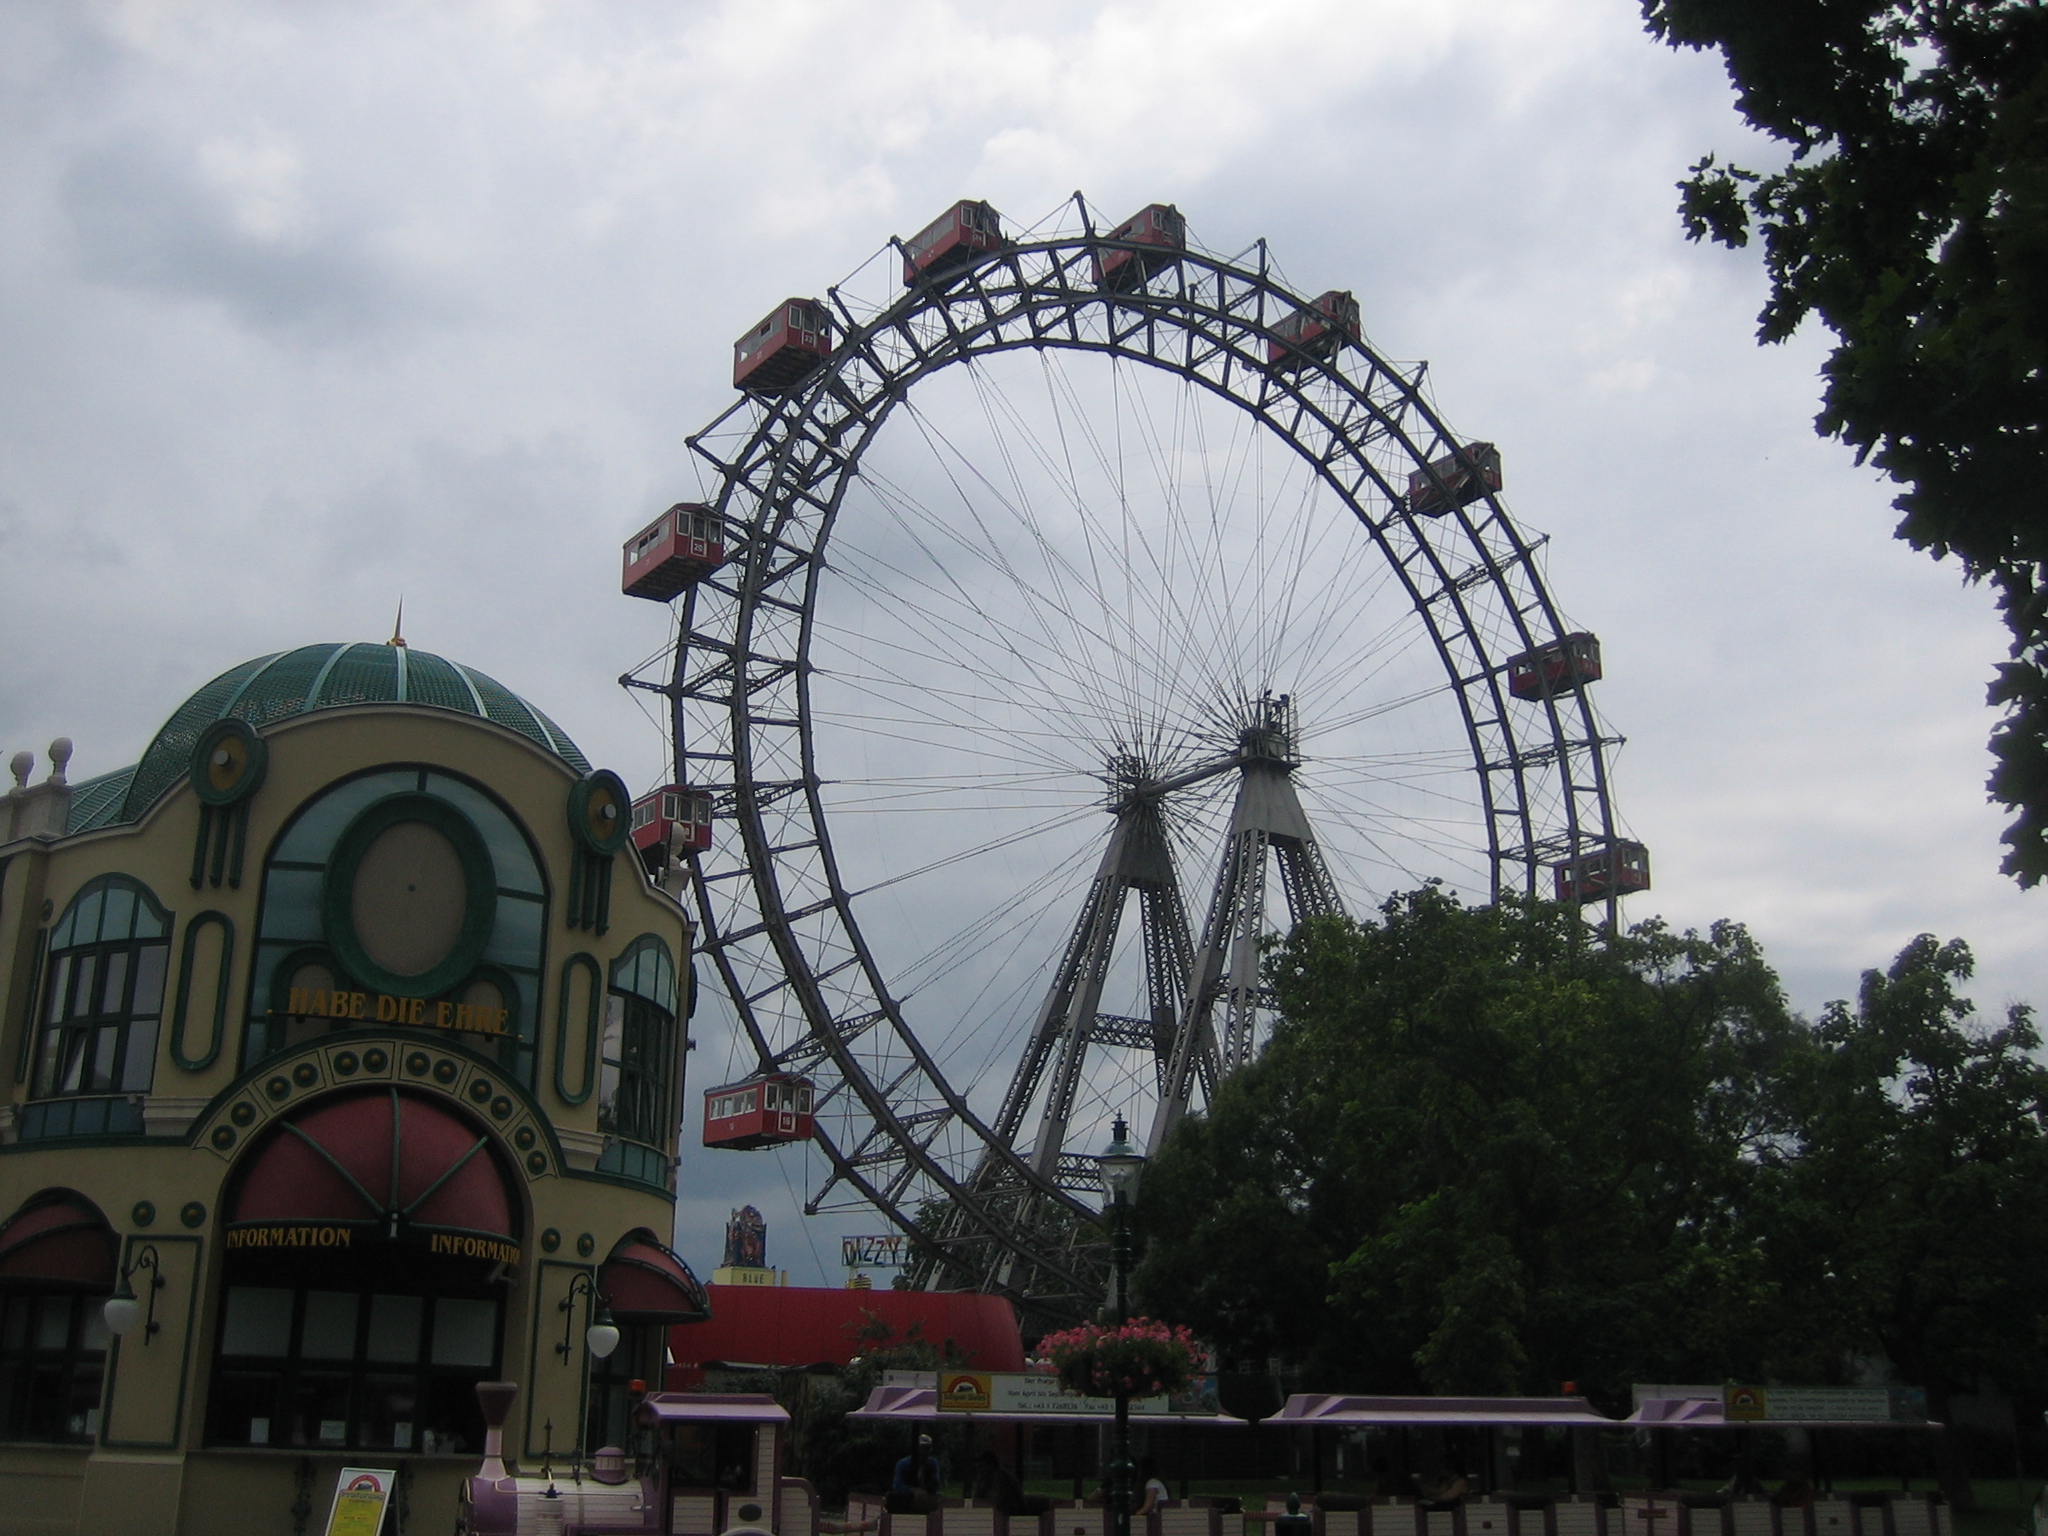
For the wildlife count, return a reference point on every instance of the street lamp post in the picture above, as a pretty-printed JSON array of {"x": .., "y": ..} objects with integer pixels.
[
  {"x": 599, "y": 1339},
  {"x": 123, "y": 1310},
  {"x": 1120, "y": 1166}
]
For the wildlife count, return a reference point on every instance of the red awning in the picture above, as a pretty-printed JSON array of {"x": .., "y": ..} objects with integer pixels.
[
  {"x": 61, "y": 1241},
  {"x": 385, "y": 1159},
  {"x": 792, "y": 1325},
  {"x": 643, "y": 1282}
]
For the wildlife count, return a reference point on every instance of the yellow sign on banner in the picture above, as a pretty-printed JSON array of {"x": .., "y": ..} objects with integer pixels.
[
  {"x": 964, "y": 1391},
  {"x": 1028, "y": 1392},
  {"x": 1745, "y": 1405},
  {"x": 360, "y": 1494}
]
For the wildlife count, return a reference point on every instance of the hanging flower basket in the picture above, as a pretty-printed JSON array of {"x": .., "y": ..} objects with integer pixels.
[{"x": 1142, "y": 1358}]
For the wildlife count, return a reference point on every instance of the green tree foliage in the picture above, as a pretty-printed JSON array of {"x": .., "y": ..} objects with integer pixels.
[
  {"x": 839, "y": 1454},
  {"x": 1484, "y": 1152},
  {"x": 1912, "y": 219},
  {"x": 1908, "y": 1220},
  {"x": 1490, "y": 1151}
]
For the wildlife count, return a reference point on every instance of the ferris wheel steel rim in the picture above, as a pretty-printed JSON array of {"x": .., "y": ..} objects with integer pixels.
[{"x": 742, "y": 672}]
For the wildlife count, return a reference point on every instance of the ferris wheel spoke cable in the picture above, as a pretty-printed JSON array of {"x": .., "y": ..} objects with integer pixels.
[
  {"x": 947, "y": 950},
  {"x": 1035, "y": 602},
  {"x": 1023, "y": 834},
  {"x": 905, "y": 686},
  {"x": 1058, "y": 679},
  {"x": 992, "y": 678},
  {"x": 1209, "y": 616},
  {"x": 1111, "y": 644},
  {"x": 1130, "y": 624}
]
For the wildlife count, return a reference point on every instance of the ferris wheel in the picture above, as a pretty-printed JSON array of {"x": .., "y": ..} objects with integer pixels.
[{"x": 1036, "y": 611}]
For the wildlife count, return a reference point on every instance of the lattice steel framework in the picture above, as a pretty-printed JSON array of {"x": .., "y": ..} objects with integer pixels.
[{"x": 779, "y": 923}]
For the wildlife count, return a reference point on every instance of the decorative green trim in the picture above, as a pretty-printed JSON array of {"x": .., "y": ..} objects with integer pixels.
[
  {"x": 115, "y": 882},
  {"x": 198, "y": 1283},
  {"x": 400, "y": 1043},
  {"x": 125, "y": 1139},
  {"x": 26, "y": 1056},
  {"x": 508, "y": 988},
  {"x": 584, "y": 961},
  {"x": 281, "y": 973},
  {"x": 222, "y": 990},
  {"x": 255, "y": 762},
  {"x": 337, "y": 892},
  {"x": 600, "y": 812}
]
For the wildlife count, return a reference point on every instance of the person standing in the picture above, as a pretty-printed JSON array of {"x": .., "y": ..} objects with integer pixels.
[{"x": 914, "y": 1490}]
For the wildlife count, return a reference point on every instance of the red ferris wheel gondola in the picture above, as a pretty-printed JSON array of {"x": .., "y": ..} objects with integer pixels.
[
  {"x": 784, "y": 349},
  {"x": 669, "y": 822},
  {"x": 955, "y": 238},
  {"x": 1315, "y": 332},
  {"x": 764, "y": 1111},
  {"x": 1162, "y": 235},
  {"x": 1557, "y": 667},
  {"x": 685, "y": 544}
]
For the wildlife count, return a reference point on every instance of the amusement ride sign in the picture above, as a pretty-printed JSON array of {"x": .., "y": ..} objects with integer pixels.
[
  {"x": 884, "y": 1252},
  {"x": 360, "y": 1494}
]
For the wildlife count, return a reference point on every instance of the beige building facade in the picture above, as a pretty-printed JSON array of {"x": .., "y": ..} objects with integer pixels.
[{"x": 345, "y": 1034}]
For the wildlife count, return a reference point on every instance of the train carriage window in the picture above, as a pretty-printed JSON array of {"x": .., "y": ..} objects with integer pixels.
[{"x": 712, "y": 1456}]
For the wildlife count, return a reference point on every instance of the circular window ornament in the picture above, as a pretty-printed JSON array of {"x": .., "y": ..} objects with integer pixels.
[
  {"x": 228, "y": 763},
  {"x": 410, "y": 896},
  {"x": 601, "y": 813}
]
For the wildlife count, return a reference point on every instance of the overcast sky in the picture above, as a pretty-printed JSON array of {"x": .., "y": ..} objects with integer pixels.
[{"x": 308, "y": 307}]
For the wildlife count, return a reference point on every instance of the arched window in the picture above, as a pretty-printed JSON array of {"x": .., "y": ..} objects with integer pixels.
[
  {"x": 638, "y": 1095},
  {"x": 56, "y": 1271},
  {"x": 103, "y": 998},
  {"x": 361, "y": 1301},
  {"x": 402, "y": 897}
]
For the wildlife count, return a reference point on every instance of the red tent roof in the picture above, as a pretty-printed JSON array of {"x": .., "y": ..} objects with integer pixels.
[{"x": 795, "y": 1325}]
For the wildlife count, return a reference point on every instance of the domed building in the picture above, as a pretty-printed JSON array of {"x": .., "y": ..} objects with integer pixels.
[{"x": 347, "y": 1035}]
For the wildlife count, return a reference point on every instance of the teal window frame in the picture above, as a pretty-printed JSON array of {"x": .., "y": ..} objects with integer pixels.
[
  {"x": 288, "y": 927},
  {"x": 639, "y": 1074},
  {"x": 95, "y": 1039},
  {"x": 337, "y": 894}
]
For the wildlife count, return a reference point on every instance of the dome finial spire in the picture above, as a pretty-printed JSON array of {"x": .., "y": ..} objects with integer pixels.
[{"x": 398, "y": 625}]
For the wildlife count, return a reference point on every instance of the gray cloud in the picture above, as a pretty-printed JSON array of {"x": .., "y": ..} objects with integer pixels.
[
  {"x": 140, "y": 219},
  {"x": 308, "y": 306}
]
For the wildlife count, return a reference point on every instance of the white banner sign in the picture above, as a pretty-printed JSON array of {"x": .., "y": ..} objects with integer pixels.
[
  {"x": 1026, "y": 1392},
  {"x": 872, "y": 1252}
]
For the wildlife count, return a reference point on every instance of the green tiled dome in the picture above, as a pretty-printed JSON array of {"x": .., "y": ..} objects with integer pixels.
[{"x": 270, "y": 688}]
